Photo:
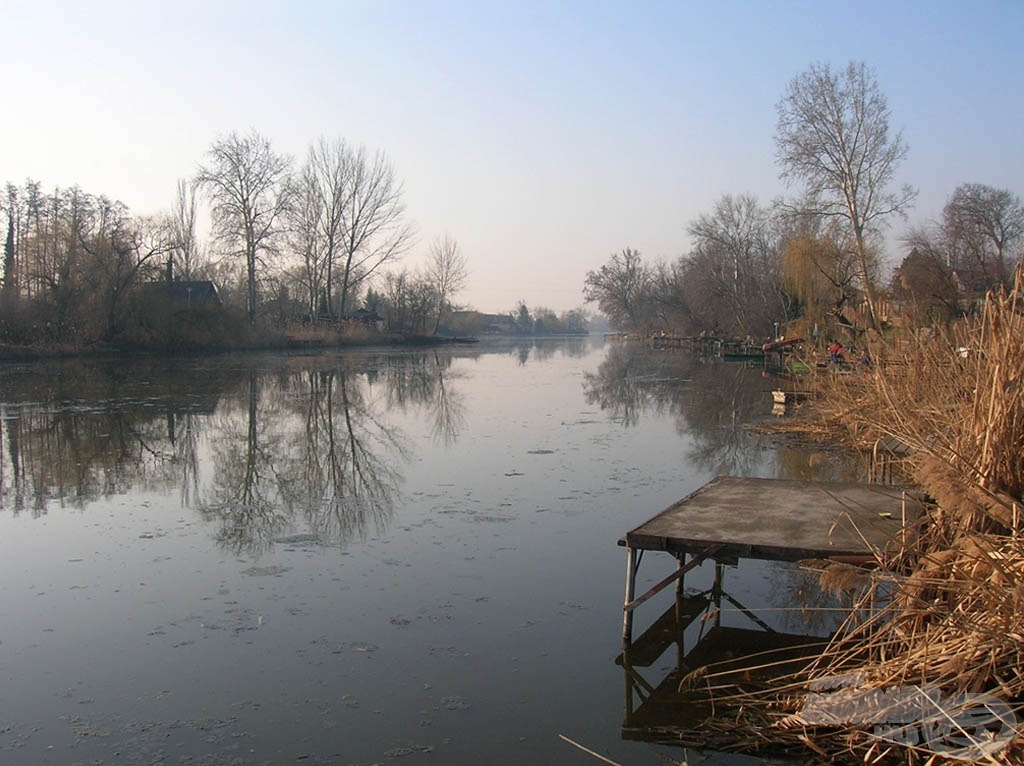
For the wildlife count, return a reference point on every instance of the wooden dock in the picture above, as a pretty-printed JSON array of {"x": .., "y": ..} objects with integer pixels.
[{"x": 779, "y": 520}]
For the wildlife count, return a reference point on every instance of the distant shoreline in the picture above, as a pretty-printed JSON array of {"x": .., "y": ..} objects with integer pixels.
[{"x": 15, "y": 353}]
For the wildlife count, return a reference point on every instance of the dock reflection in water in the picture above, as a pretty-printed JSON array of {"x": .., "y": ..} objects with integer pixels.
[{"x": 714, "y": 656}]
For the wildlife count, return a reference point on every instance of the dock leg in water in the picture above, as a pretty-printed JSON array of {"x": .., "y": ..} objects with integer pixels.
[{"x": 627, "y": 612}]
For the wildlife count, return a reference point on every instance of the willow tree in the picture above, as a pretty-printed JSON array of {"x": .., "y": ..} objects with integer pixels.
[
  {"x": 833, "y": 136},
  {"x": 819, "y": 272}
]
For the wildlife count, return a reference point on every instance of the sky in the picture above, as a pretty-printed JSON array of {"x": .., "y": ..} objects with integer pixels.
[{"x": 542, "y": 136}]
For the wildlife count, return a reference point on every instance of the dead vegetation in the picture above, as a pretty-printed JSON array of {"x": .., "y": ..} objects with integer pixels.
[{"x": 941, "y": 617}]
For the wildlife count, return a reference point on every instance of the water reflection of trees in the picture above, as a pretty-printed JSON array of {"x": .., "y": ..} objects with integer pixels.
[
  {"x": 631, "y": 381},
  {"x": 246, "y": 485},
  {"x": 542, "y": 349},
  {"x": 262, "y": 450},
  {"x": 425, "y": 381},
  {"x": 310, "y": 451},
  {"x": 711, "y": 401},
  {"x": 725, "y": 398},
  {"x": 313, "y": 450},
  {"x": 75, "y": 432}
]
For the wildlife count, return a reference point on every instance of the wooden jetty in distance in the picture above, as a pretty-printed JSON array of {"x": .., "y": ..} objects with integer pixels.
[
  {"x": 725, "y": 348},
  {"x": 706, "y": 345},
  {"x": 774, "y": 519}
]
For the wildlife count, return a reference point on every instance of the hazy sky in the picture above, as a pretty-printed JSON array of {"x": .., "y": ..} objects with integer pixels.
[{"x": 542, "y": 136}]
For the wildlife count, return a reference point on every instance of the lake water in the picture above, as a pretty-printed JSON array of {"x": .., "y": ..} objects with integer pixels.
[{"x": 353, "y": 558}]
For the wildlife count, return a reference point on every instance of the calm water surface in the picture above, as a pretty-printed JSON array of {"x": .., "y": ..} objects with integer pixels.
[{"x": 350, "y": 558}]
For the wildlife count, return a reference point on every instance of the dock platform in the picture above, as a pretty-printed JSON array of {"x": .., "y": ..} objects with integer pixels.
[{"x": 772, "y": 519}]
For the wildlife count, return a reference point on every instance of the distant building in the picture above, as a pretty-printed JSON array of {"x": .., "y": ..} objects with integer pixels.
[
  {"x": 182, "y": 294},
  {"x": 193, "y": 294},
  {"x": 200, "y": 293},
  {"x": 365, "y": 317},
  {"x": 483, "y": 324}
]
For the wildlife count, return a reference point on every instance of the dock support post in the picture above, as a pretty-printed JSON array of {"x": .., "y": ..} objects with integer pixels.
[
  {"x": 681, "y": 568},
  {"x": 680, "y": 629},
  {"x": 717, "y": 591},
  {"x": 627, "y": 613}
]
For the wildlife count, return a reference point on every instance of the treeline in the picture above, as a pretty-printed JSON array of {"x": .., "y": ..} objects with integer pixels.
[
  {"x": 544, "y": 321},
  {"x": 292, "y": 244},
  {"x": 754, "y": 268},
  {"x": 288, "y": 243},
  {"x": 71, "y": 260}
]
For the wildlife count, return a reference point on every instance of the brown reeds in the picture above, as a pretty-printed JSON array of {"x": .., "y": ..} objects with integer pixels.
[{"x": 945, "y": 611}]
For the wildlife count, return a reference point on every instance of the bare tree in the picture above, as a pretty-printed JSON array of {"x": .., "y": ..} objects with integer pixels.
[
  {"x": 446, "y": 271},
  {"x": 984, "y": 224},
  {"x": 304, "y": 229},
  {"x": 833, "y": 135},
  {"x": 740, "y": 236},
  {"x": 373, "y": 226},
  {"x": 621, "y": 289},
  {"x": 326, "y": 182},
  {"x": 182, "y": 224},
  {"x": 408, "y": 302},
  {"x": 349, "y": 221},
  {"x": 120, "y": 251},
  {"x": 250, "y": 191}
]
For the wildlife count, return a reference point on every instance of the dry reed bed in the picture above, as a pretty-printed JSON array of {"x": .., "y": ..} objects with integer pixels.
[{"x": 946, "y": 610}]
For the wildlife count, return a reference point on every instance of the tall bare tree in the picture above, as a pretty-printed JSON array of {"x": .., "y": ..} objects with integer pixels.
[
  {"x": 350, "y": 220},
  {"x": 740, "y": 237},
  {"x": 182, "y": 229},
  {"x": 446, "y": 271},
  {"x": 304, "y": 230},
  {"x": 833, "y": 135},
  {"x": 250, "y": 191},
  {"x": 326, "y": 187},
  {"x": 374, "y": 230}
]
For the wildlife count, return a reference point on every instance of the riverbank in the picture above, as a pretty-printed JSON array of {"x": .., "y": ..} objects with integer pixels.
[
  {"x": 17, "y": 353},
  {"x": 292, "y": 339},
  {"x": 930, "y": 660}
]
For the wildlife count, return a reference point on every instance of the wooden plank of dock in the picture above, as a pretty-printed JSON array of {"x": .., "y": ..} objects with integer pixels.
[{"x": 777, "y": 519}]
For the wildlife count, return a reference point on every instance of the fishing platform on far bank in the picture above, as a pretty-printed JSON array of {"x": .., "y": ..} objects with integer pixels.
[{"x": 731, "y": 518}]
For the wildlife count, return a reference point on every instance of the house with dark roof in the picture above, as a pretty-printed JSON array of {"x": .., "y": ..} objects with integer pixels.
[
  {"x": 201, "y": 293},
  {"x": 363, "y": 316},
  {"x": 184, "y": 295}
]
